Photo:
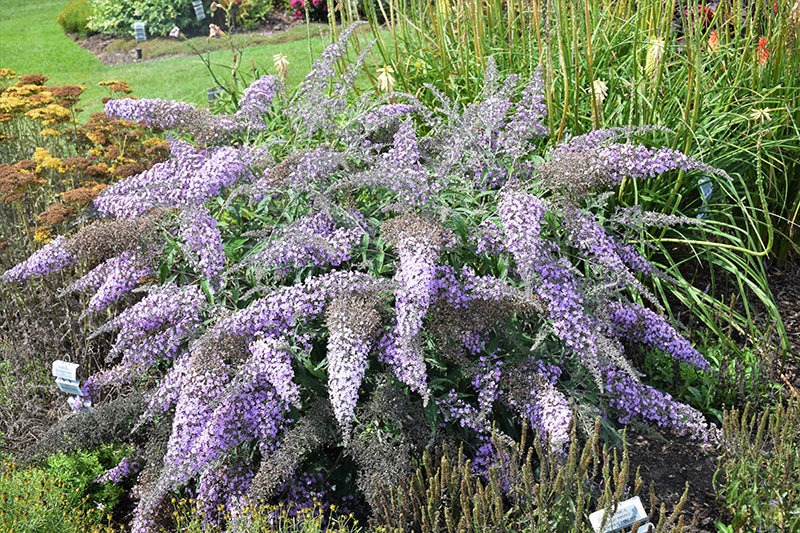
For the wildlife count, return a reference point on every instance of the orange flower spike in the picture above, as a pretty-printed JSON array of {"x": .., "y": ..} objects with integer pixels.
[
  {"x": 713, "y": 40},
  {"x": 763, "y": 51}
]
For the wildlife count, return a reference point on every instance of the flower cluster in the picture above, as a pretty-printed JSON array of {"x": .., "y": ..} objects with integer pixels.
[
  {"x": 150, "y": 331},
  {"x": 53, "y": 256},
  {"x": 352, "y": 322},
  {"x": 129, "y": 466},
  {"x": 418, "y": 242},
  {"x": 112, "y": 278},
  {"x": 203, "y": 243},
  {"x": 594, "y": 160},
  {"x": 537, "y": 399},
  {"x": 256, "y": 101},
  {"x": 640, "y": 324}
]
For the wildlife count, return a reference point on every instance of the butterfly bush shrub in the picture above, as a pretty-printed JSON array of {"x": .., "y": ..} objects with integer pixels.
[{"x": 328, "y": 289}]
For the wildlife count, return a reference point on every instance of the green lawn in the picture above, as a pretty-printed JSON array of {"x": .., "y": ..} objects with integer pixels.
[{"x": 34, "y": 43}]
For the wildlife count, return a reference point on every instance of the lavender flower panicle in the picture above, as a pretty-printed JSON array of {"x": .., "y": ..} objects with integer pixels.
[
  {"x": 592, "y": 161},
  {"x": 532, "y": 393},
  {"x": 602, "y": 250},
  {"x": 312, "y": 108},
  {"x": 310, "y": 240},
  {"x": 640, "y": 324},
  {"x": 398, "y": 170},
  {"x": 53, "y": 256},
  {"x": 116, "y": 276},
  {"x": 128, "y": 466},
  {"x": 352, "y": 322},
  {"x": 418, "y": 241},
  {"x": 257, "y": 99},
  {"x": 157, "y": 323},
  {"x": 188, "y": 120},
  {"x": 631, "y": 398},
  {"x": 188, "y": 179},
  {"x": 271, "y": 359},
  {"x": 552, "y": 277}
]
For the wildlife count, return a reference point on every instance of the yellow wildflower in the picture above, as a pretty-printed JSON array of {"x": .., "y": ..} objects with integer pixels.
[
  {"x": 12, "y": 104},
  {"x": 281, "y": 63},
  {"x": 6, "y": 73},
  {"x": 40, "y": 154},
  {"x": 385, "y": 79},
  {"x": 760, "y": 115},
  {"x": 49, "y": 131}
]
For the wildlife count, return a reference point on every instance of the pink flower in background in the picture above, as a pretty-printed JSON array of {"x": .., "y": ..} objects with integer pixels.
[{"x": 175, "y": 32}]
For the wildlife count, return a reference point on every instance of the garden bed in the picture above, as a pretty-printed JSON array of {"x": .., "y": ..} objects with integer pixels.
[{"x": 115, "y": 50}]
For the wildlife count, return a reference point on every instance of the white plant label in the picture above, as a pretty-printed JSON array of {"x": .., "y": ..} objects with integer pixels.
[{"x": 628, "y": 513}]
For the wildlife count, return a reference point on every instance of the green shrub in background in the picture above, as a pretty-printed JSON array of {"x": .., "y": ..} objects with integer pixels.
[
  {"x": 75, "y": 17},
  {"x": 243, "y": 13}
]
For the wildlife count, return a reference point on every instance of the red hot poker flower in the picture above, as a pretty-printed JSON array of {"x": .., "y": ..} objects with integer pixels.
[{"x": 763, "y": 51}]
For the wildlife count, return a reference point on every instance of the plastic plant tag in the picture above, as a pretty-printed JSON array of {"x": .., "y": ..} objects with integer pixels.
[
  {"x": 198, "y": 9},
  {"x": 628, "y": 513},
  {"x": 138, "y": 30},
  {"x": 65, "y": 370},
  {"x": 69, "y": 386}
]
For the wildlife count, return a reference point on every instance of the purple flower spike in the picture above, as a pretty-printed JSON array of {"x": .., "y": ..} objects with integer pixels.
[
  {"x": 640, "y": 324},
  {"x": 631, "y": 398},
  {"x": 53, "y": 256}
]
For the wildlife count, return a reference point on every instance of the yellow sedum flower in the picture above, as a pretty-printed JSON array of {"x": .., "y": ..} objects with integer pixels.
[
  {"x": 49, "y": 132},
  {"x": 42, "y": 235}
]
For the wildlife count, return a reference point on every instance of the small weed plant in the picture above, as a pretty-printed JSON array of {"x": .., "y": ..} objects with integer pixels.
[
  {"x": 757, "y": 474},
  {"x": 62, "y": 496}
]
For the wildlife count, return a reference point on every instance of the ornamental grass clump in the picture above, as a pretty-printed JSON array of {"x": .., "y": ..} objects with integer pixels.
[
  {"x": 329, "y": 296},
  {"x": 445, "y": 494}
]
